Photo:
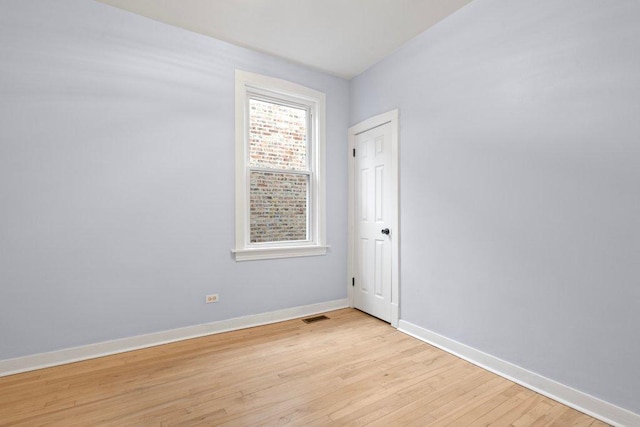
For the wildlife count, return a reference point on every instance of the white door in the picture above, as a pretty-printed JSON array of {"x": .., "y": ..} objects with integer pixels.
[{"x": 373, "y": 232}]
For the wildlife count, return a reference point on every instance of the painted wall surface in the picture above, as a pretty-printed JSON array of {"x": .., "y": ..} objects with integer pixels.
[
  {"x": 520, "y": 173},
  {"x": 116, "y": 180}
]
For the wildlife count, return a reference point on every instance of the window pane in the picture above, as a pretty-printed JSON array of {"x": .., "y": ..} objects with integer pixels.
[
  {"x": 278, "y": 210},
  {"x": 277, "y": 136}
]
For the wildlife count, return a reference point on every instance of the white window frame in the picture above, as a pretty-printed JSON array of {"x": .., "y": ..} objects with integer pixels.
[{"x": 251, "y": 85}]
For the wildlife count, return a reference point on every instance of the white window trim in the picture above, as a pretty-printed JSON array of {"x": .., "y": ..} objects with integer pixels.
[{"x": 247, "y": 83}]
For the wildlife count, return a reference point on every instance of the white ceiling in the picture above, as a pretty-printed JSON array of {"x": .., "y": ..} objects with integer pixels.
[{"x": 341, "y": 37}]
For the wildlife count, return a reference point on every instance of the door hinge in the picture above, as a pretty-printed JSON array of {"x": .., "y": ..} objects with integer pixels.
[
  {"x": 354, "y": 152},
  {"x": 353, "y": 281}
]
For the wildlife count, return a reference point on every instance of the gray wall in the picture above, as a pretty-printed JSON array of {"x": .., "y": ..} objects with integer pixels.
[
  {"x": 520, "y": 173},
  {"x": 116, "y": 180}
]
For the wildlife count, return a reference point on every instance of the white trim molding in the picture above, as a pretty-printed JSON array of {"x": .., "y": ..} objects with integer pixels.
[
  {"x": 391, "y": 117},
  {"x": 249, "y": 86},
  {"x": 275, "y": 252},
  {"x": 583, "y": 402},
  {"x": 92, "y": 351}
]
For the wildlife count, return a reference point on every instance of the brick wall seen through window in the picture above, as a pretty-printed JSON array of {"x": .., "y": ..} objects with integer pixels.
[{"x": 278, "y": 200}]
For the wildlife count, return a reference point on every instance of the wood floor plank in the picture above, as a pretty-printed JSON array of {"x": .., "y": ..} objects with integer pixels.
[{"x": 349, "y": 370}]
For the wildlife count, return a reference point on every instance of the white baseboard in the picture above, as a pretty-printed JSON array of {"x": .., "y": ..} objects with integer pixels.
[
  {"x": 91, "y": 351},
  {"x": 583, "y": 402}
]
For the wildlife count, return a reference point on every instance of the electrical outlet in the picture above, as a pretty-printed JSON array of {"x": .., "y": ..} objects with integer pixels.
[{"x": 211, "y": 298}]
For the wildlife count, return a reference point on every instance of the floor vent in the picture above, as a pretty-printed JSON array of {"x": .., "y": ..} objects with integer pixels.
[{"x": 315, "y": 319}]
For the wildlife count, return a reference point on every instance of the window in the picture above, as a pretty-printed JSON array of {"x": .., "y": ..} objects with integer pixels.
[{"x": 279, "y": 169}]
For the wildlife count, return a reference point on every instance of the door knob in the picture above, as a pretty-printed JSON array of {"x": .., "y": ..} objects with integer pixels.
[{"x": 385, "y": 231}]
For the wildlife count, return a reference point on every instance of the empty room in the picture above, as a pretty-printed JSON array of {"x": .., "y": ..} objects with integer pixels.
[{"x": 320, "y": 212}]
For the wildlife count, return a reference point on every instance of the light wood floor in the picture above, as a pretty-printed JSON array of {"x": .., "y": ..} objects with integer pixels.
[{"x": 350, "y": 370}]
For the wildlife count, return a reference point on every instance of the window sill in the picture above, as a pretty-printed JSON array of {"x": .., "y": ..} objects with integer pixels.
[{"x": 278, "y": 252}]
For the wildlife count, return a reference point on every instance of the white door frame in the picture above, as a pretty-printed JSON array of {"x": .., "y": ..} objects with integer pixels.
[{"x": 394, "y": 218}]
